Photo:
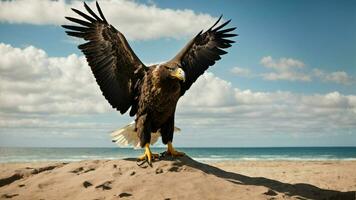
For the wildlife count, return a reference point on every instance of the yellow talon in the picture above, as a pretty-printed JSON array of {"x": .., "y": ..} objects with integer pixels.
[
  {"x": 172, "y": 151},
  {"x": 148, "y": 155}
]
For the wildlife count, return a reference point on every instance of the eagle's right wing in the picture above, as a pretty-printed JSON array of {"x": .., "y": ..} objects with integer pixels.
[
  {"x": 118, "y": 71},
  {"x": 203, "y": 51}
]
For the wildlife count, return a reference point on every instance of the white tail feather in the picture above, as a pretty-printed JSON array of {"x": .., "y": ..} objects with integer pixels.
[{"x": 127, "y": 135}]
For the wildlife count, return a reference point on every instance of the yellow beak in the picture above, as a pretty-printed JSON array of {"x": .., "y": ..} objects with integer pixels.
[{"x": 179, "y": 73}]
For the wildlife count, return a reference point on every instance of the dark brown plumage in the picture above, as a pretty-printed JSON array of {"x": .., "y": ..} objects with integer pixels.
[{"x": 151, "y": 92}]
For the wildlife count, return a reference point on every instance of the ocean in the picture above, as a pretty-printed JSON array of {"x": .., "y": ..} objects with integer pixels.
[{"x": 14, "y": 154}]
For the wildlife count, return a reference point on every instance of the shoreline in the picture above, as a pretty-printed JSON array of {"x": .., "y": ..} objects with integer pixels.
[{"x": 205, "y": 155}]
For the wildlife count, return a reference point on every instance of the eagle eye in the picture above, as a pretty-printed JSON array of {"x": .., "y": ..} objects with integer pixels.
[{"x": 169, "y": 68}]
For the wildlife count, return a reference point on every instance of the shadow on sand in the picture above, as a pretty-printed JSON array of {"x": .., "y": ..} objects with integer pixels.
[{"x": 299, "y": 190}]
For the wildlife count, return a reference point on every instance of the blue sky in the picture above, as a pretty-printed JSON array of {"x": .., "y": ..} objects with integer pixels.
[{"x": 288, "y": 81}]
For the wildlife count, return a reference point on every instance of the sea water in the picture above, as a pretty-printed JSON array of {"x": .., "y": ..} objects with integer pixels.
[{"x": 14, "y": 154}]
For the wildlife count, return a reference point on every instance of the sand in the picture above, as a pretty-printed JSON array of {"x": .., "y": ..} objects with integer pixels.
[{"x": 182, "y": 178}]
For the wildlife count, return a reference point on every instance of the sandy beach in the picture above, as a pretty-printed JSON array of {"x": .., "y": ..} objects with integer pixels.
[{"x": 182, "y": 178}]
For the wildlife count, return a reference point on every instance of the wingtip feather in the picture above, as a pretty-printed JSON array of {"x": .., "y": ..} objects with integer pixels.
[
  {"x": 91, "y": 12},
  {"x": 100, "y": 12},
  {"x": 215, "y": 23},
  {"x": 222, "y": 25},
  {"x": 83, "y": 15}
]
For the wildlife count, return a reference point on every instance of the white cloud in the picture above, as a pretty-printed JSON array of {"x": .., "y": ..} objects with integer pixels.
[
  {"x": 283, "y": 64},
  {"x": 50, "y": 93},
  {"x": 290, "y": 76},
  {"x": 294, "y": 70},
  {"x": 265, "y": 112},
  {"x": 240, "y": 71},
  {"x": 284, "y": 69},
  {"x": 339, "y": 77},
  {"x": 129, "y": 17},
  {"x": 32, "y": 82},
  {"x": 209, "y": 91}
]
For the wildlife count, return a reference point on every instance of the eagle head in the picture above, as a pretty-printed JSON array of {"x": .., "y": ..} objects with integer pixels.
[{"x": 170, "y": 71}]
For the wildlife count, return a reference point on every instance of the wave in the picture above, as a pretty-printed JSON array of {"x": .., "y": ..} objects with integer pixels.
[
  {"x": 214, "y": 159},
  {"x": 200, "y": 154}
]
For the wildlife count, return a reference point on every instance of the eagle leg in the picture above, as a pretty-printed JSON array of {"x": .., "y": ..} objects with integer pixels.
[
  {"x": 171, "y": 151},
  {"x": 148, "y": 155}
]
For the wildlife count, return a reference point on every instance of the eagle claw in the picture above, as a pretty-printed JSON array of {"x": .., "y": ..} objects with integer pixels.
[
  {"x": 171, "y": 151},
  {"x": 148, "y": 156}
]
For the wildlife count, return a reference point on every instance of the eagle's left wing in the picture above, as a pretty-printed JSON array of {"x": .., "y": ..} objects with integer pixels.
[
  {"x": 117, "y": 69},
  {"x": 202, "y": 51}
]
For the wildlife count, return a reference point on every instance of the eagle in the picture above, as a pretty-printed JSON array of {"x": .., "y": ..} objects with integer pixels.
[{"x": 150, "y": 93}]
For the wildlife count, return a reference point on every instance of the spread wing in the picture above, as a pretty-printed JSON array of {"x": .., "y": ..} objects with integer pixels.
[
  {"x": 202, "y": 52},
  {"x": 116, "y": 68}
]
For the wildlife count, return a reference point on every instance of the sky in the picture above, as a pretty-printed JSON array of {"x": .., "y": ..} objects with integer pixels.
[{"x": 289, "y": 80}]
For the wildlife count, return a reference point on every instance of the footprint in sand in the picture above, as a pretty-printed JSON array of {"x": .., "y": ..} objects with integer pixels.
[
  {"x": 87, "y": 184},
  {"x": 80, "y": 170},
  {"x": 270, "y": 193},
  {"x": 105, "y": 186},
  {"x": 9, "y": 196},
  {"x": 124, "y": 194},
  {"x": 159, "y": 171},
  {"x": 44, "y": 184},
  {"x": 77, "y": 170},
  {"x": 89, "y": 170}
]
